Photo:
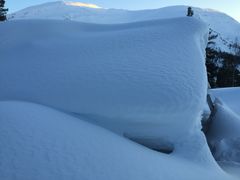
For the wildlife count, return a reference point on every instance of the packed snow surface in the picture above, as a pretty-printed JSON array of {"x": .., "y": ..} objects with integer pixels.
[
  {"x": 39, "y": 143},
  {"x": 130, "y": 78},
  {"x": 227, "y": 28}
]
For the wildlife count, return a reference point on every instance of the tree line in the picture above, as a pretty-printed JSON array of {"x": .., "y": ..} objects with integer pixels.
[
  {"x": 223, "y": 68},
  {"x": 3, "y": 11}
]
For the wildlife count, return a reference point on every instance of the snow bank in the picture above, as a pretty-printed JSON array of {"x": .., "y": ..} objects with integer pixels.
[
  {"x": 41, "y": 143},
  {"x": 145, "y": 79},
  {"x": 229, "y": 96},
  {"x": 224, "y": 135},
  {"x": 225, "y": 26}
]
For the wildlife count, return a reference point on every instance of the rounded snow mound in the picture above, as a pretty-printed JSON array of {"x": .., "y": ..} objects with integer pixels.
[{"x": 39, "y": 143}]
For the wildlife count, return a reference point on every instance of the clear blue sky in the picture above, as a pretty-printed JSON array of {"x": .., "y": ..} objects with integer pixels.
[{"x": 231, "y": 7}]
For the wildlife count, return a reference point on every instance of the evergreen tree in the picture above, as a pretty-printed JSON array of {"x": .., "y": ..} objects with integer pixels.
[
  {"x": 212, "y": 60},
  {"x": 236, "y": 47},
  {"x": 189, "y": 11},
  {"x": 228, "y": 73},
  {"x": 3, "y": 11},
  {"x": 222, "y": 67}
]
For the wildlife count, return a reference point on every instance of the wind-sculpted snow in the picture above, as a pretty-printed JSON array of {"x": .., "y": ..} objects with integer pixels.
[
  {"x": 145, "y": 79},
  {"x": 224, "y": 134},
  {"x": 227, "y": 28},
  {"x": 229, "y": 97},
  {"x": 40, "y": 143}
]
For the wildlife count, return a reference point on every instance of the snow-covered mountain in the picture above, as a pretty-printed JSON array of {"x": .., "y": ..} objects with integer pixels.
[{"x": 227, "y": 28}]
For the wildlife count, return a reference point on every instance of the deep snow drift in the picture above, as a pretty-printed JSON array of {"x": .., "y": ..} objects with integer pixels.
[
  {"x": 144, "y": 80},
  {"x": 224, "y": 134},
  {"x": 229, "y": 96},
  {"x": 224, "y": 26},
  {"x": 41, "y": 143},
  {"x": 130, "y": 78}
]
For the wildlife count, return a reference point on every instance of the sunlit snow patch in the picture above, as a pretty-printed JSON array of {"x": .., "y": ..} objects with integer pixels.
[{"x": 80, "y": 4}]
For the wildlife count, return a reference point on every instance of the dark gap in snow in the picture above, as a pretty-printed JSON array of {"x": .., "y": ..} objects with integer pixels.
[
  {"x": 156, "y": 144},
  {"x": 207, "y": 120},
  {"x": 207, "y": 125}
]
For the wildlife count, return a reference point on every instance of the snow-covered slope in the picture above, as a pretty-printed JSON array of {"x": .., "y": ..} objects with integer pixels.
[
  {"x": 224, "y": 134},
  {"x": 224, "y": 26},
  {"x": 229, "y": 96},
  {"x": 44, "y": 144},
  {"x": 131, "y": 78}
]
